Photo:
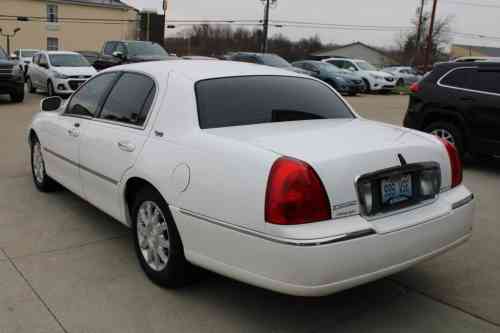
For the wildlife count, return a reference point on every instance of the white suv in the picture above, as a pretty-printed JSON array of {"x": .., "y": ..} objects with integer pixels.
[
  {"x": 58, "y": 73},
  {"x": 374, "y": 79}
]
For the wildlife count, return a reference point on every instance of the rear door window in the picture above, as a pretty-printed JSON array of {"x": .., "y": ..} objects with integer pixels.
[
  {"x": 248, "y": 100},
  {"x": 460, "y": 78},
  {"x": 488, "y": 81},
  {"x": 130, "y": 99},
  {"x": 109, "y": 48}
]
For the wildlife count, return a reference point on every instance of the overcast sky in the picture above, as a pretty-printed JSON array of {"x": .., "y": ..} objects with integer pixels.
[{"x": 466, "y": 18}]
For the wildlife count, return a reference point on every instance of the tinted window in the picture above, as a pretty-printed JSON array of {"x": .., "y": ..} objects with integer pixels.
[
  {"x": 488, "y": 81},
  {"x": 43, "y": 60},
  {"x": 128, "y": 100},
  {"x": 273, "y": 60},
  {"x": 460, "y": 78},
  {"x": 263, "y": 99},
  {"x": 141, "y": 48},
  {"x": 85, "y": 102},
  {"x": 109, "y": 48}
]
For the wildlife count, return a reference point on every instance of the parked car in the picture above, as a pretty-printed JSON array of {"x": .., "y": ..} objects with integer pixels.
[
  {"x": 58, "y": 72},
  {"x": 374, "y": 79},
  {"x": 116, "y": 53},
  {"x": 344, "y": 82},
  {"x": 476, "y": 58},
  {"x": 459, "y": 102},
  {"x": 404, "y": 75},
  {"x": 11, "y": 78},
  {"x": 268, "y": 59},
  {"x": 253, "y": 172},
  {"x": 91, "y": 56},
  {"x": 198, "y": 58},
  {"x": 24, "y": 56}
]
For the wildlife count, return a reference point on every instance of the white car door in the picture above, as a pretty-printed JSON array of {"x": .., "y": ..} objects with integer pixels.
[
  {"x": 111, "y": 143},
  {"x": 42, "y": 71},
  {"x": 33, "y": 70},
  {"x": 64, "y": 133}
]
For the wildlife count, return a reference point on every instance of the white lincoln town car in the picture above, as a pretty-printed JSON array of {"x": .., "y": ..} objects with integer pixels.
[{"x": 257, "y": 173}]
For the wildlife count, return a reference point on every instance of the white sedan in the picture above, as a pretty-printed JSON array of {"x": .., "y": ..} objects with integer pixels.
[{"x": 254, "y": 172}]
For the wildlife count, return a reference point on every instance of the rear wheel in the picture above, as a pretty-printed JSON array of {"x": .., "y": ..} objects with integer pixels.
[
  {"x": 366, "y": 88},
  {"x": 157, "y": 242},
  {"x": 448, "y": 132}
]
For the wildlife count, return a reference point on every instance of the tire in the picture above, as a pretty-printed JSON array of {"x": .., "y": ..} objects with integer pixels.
[
  {"x": 50, "y": 89},
  {"x": 40, "y": 178},
  {"x": 18, "y": 96},
  {"x": 166, "y": 267},
  {"x": 400, "y": 82},
  {"x": 367, "y": 86},
  {"x": 450, "y": 132},
  {"x": 31, "y": 87}
]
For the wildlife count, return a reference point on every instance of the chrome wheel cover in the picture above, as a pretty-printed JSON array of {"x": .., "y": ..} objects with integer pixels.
[
  {"x": 152, "y": 235},
  {"x": 38, "y": 164},
  {"x": 444, "y": 134}
]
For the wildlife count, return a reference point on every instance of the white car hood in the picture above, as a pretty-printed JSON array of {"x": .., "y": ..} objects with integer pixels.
[{"x": 74, "y": 71}]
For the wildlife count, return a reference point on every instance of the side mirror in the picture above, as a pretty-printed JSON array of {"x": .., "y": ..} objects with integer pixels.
[
  {"x": 119, "y": 55},
  {"x": 51, "y": 103}
]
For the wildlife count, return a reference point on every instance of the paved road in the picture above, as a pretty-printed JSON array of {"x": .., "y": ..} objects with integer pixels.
[{"x": 67, "y": 267}]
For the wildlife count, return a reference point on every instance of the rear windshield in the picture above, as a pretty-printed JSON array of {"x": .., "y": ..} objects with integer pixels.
[{"x": 248, "y": 100}]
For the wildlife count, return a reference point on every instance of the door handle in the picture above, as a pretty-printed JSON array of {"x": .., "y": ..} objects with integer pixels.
[
  {"x": 126, "y": 146},
  {"x": 74, "y": 133}
]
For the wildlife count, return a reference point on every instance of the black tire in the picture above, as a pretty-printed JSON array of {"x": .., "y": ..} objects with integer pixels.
[
  {"x": 18, "y": 96},
  {"x": 456, "y": 133},
  {"x": 31, "y": 87},
  {"x": 178, "y": 271},
  {"x": 331, "y": 84},
  {"x": 50, "y": 89},
  {"x": 367, "y": 86},
  {"x": 400, "y": 82},
  {"x": 43, "y": 183}
]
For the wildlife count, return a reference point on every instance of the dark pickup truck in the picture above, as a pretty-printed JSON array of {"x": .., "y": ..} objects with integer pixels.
[
  {"x": 116, "y": 53},
  {"x": 11, "y": 78}
]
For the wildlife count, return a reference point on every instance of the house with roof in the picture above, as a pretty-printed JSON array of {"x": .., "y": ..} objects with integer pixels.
[
  {"x": 461, "y": 50},
  {"x": 69, "y": 25},
  {"x": 358, "y": 50}
]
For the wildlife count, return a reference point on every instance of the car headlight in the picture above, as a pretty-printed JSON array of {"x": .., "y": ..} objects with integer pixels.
[
  {"x": 58, "y": 75},
  {"x": 376, "y": 77}
]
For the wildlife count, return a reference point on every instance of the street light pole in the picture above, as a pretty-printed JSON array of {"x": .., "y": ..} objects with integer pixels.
[
  {"x": 428, "y": 51},
  {"x": 266, "y": 26},
  {"x": 419, "y": 30}
]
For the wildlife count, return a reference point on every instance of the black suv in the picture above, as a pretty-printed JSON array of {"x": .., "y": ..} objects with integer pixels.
[
  {"x": 459, "y": 102},
  {"x": 124, "y": 52},
  {"x": 11, "y": 78}
]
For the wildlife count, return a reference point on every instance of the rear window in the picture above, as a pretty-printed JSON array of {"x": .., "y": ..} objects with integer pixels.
[{"x": 248, "y": 100}]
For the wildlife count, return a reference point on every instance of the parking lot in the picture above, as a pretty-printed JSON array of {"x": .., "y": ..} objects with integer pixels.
[{"x": 67, "y": 267}]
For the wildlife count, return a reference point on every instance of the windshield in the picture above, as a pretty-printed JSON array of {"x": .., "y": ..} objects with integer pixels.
[
  {"x": 274, "y": 60},
  {"x": 137, "y": 49},
  {"x": 249, "y": 100},
  {"x": 28, "y": 53},
  {"x": 328, "y": 67},
  {"x": 68, "y": 60},
  {"x": 365, "y": 66}
]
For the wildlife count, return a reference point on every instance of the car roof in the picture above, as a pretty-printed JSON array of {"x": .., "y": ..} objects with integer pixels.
[
  {"x": 58, "y": 52},
  {"x": 198, "y": 70},
  {"x": 474, "y": 64}
]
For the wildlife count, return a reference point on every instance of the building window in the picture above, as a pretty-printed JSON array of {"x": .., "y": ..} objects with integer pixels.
[
  {"x": 52, "y": 16},
  {"x": 52, "y": 44}
]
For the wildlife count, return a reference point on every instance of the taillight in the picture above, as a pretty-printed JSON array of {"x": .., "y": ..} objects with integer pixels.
[
  {"x": 456, "y": 163},
  {"x": 415, "y": 88},
  {"x": 295, "y": 194}
]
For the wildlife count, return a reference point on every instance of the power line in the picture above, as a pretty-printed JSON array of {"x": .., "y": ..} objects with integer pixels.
[{"x": 471, "y": 4}]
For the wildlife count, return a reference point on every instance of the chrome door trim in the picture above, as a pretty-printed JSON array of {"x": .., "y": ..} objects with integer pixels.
[
  {"x": 280, "y": 240},
  {"x": 463, "y": 89}
]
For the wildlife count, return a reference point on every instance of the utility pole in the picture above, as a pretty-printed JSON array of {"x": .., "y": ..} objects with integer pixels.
[
  {"x": 428, "y": 51},
  {"x": 266, "y": 26},
  {"x": 419, "y": 29},
  {"x": 9, "y": 36}
]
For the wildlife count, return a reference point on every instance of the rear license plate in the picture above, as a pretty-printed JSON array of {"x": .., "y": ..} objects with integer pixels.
[{"x": 396, "y": 189}]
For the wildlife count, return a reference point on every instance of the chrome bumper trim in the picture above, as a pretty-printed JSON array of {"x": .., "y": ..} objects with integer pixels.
[
  {"x": 463, "y": 202},
  {"x": 280, "y": 240}
]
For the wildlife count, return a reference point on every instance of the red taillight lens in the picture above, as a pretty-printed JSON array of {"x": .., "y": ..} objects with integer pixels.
[
  {"x": 295, "y": 194},
  {"x": 456, "y": 163},
  {"x": 415, "y": 88}
]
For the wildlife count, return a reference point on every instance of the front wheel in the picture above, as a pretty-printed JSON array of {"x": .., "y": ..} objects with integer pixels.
[
  {"x": 31, "y": 87},
  {"x": 157, "y": 242},
  {"x": 18, "y": 95},
  {"x": 42, "y": 181},
  {"x": 366, "y": 88},
  {"x": 50, "y": 89}
]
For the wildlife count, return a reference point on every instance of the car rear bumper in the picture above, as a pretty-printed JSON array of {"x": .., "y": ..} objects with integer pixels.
[{"x": 309, "y": 269}]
